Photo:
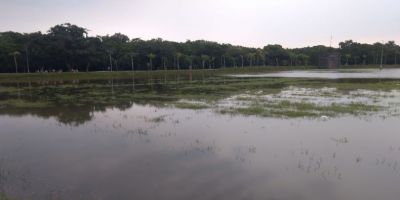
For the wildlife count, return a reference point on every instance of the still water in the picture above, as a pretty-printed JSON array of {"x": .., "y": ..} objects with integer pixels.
[
  {"x": 334, "y": 74},
  {"x": 147, "y": 151}
]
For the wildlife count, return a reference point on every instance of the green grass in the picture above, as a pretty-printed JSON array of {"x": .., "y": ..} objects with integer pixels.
[
  {"x": 189, "y": 105},
  {"x": 69, "y": 76}
]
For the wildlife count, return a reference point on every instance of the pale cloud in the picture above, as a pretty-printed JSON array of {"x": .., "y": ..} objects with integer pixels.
[{"x": 293, "y": 23}]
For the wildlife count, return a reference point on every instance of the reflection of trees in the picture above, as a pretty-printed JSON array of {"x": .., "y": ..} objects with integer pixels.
[
  {"x": 75, "y": 103},
  {"x": 65, "y": 115}
]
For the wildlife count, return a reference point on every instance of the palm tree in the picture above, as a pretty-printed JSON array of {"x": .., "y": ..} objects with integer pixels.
[
  {"x": 211, "y": 62},
  {"x": 132, "y": 55},
  {"x": 292, "y": 57},
  {"x": 260, "y": 55},
  {"x": 178, "y": 56},
  {"x": 15, "y": 54},
  {"x": 395, "y": 57},
  {"x": 251, "y": 57},
  {"x": 204, "y": 58},
  {"x": 109, "y": 51},
  {"x": 356, "y": 58},
  {"x": 151, "y": 56},
  {"x": 364, "y": 59},
  {"x": 266, "y": 59},
  {"x": 164, "y": 60},
  {"x": 27, "y": 57},
  {"x": 347, "y": 56},
  {"x": 304, "y": 59},
  {"x": 223, "y": 60},
  {"x": 233, "y": 59},
  {"x": 191, "y": 58}
]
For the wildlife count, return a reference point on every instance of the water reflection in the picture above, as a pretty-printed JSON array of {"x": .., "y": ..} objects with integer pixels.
[
  {"x": 146, "y": 152},
  {"x": 334, "y": 74},
  {"x": 75, "y": 102},
  {"x": 120, "y": 139}
]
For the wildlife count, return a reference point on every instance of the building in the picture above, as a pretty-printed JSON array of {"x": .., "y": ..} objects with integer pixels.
[{"x": 329, "y": 60}]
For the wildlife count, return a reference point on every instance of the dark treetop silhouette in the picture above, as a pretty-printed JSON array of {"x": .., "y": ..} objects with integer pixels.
[{"x": 68, "y": 47}]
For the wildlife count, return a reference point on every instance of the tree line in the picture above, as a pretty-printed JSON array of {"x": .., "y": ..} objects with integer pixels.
[{"x": 68, "y": 47}]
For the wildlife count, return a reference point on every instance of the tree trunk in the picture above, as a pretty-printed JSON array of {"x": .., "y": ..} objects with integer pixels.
[
  {"x": 203, "y": 62},
  {"x": 27, "y": 59},
  {"x": 133, "y": 67},
  {"x": 165, "y": 64},
  {"x": 16, "y": 64},
  {"x": 151, "y": 64},
  {"x": 111, "y": 66},
  {"x": 257, "y": 61},
  {"x": 242, "y": 61}
]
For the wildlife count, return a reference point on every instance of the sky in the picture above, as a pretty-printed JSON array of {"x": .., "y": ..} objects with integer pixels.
[{"x": 252, "y": 23}]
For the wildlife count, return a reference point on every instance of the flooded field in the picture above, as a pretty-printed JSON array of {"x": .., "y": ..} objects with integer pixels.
[{"x": 201, "y": 136}]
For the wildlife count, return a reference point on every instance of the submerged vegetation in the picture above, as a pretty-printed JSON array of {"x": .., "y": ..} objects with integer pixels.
[{"x": 301, "y": 109}]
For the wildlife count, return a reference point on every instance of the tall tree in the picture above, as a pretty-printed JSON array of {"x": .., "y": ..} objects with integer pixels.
[
  {"x": 151, "y": 57},
  {"x": 204, "y": 59},
  {"x": 15, "y": 54},
  {"x": 178, "y": 58}
]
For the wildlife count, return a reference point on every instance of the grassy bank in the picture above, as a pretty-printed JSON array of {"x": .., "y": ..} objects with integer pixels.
[{"x": 69, "y": 76}]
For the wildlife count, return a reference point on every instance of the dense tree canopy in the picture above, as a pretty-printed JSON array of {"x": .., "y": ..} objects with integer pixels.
[{"x": 67, "y": 47}]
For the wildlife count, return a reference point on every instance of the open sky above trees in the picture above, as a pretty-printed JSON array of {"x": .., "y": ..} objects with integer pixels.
[
  {"x": 252, "y": 23},
  {"x": 91, "y": 35}
]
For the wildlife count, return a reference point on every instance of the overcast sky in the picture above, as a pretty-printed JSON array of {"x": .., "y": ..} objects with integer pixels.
[{"x": 253, "y": 23}]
